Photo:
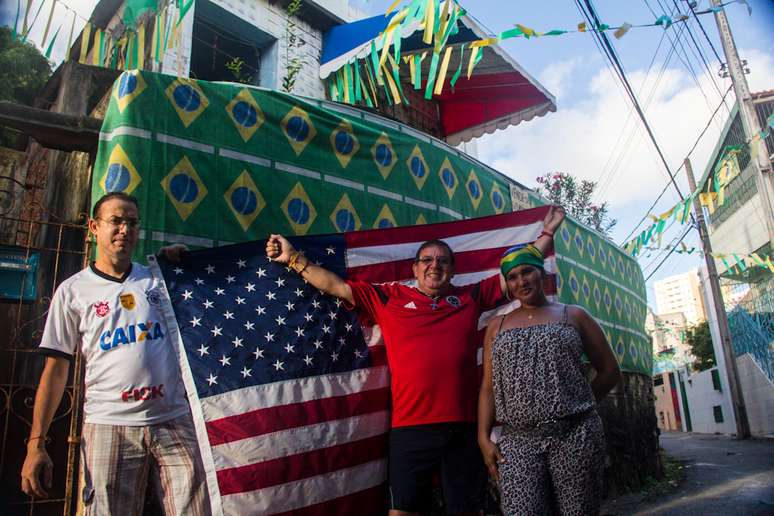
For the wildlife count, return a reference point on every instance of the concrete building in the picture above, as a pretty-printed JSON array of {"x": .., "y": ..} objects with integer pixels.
[
  {"x": 753, "y": 361},
  {"x": 705, "y": 408},
  {"x": 667, "y": 402},
  {"x": 680, "y": 293},
  {"x": 738, "y": 226}
]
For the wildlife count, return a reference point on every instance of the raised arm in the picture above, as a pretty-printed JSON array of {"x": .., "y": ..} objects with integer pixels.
[
  {"x": 551, "y": 223},
  {"x": 280, "y": 250},
  {"x": 486, "y": 408},
  {"x": 37, "y": 470},
  {"x": 599, "y": 352}
]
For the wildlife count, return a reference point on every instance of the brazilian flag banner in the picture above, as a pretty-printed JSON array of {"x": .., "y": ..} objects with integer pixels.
[{"x": 219, "y": 163}]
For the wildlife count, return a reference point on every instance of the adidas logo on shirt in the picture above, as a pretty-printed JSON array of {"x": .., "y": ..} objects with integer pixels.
[{"x": 410, "y": 304}]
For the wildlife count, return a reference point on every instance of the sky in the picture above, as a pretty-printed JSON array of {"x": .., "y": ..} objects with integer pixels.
[{"x": 594, "y": 134}]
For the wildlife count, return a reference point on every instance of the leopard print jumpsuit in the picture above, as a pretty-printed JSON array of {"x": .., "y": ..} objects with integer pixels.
[{"x": 552, "y": 439}]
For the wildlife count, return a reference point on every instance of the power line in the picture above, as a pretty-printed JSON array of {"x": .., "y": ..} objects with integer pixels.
[
  {"x": 701, "y": 54},
  {"x": 622, "y": 75},
  {"x": 717, "y": 56},
  {"x": 607, "y": 175},
  {"x": 672, "y": 250},
  {"x": 636, "y": 129},
  {"x": 701, "y": 135}
]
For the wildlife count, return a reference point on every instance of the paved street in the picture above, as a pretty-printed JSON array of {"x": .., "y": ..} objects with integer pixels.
[{"x": 723, "y": 476}]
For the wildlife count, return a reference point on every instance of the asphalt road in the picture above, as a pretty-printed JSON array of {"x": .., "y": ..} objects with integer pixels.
[{"x": 723, "y": 475}]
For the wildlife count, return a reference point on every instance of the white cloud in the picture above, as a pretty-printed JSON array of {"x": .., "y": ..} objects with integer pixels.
[
  {"x": 556, "y": 76},
  {"x": 587, "y": 139}
]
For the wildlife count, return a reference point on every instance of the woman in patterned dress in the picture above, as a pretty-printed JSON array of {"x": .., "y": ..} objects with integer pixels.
[{"x": 551, "y": 452}]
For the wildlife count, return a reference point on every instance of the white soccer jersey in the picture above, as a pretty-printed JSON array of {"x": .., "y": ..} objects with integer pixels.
[{"x": 132, "y": 373}]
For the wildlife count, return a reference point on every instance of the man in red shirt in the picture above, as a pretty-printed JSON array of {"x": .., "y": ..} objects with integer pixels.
[{"x": 429, "y": 333}]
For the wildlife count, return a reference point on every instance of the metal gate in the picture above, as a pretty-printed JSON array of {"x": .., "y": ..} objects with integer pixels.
[{"x": 38, "y": 251}]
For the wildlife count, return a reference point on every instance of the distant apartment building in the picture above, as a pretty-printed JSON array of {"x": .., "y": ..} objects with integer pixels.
[{"x": 680, "y": 293}]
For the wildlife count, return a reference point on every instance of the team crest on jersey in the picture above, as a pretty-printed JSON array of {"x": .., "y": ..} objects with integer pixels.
[
  {"x": 153, "y": 296},
  {"x": 453, "y": 300},
  {"x": 101, "y": 308},
  {"x": 127, "y": 301}
]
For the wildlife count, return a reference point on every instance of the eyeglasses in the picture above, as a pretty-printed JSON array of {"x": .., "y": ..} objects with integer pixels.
[
  {"x": 117, "y": 222},
  {"x": 443, "y": 261}
]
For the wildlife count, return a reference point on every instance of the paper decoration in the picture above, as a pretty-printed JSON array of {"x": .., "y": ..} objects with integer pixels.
[
  {"x": 725, "y": 171},
  {"x": 622, "y": 30}
]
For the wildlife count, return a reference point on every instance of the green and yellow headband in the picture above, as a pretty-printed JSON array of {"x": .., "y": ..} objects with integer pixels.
[{"x": 521, "y": 254}]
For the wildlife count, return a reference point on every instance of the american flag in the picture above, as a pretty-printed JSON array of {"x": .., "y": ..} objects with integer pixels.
[{"x": 289, "y": 391}]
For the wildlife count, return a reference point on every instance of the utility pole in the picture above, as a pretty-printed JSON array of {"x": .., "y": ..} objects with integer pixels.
[
  {"x": 732, "y": 375},
  {"x": 764, "y": 180}
]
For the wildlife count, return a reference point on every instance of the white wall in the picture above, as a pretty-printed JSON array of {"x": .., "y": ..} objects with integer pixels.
[
  {"x": 717, "y": 346},
  {"x": 742, "y": 233},
  {"x": 702, "y": 397},
  {"x": 758, "y": 396},
  {"x": 271, "y": 18}
]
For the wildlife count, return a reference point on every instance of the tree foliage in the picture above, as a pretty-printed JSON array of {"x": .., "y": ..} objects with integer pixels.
[
  {"x": 699, "y": 339},
  {"x": 23, "y": 69},
  {"x": 562, "y": 188}
]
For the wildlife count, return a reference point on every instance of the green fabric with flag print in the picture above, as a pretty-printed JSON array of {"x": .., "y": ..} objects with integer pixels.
[
  {"x": 216, "y": 163},
  {"x": 601, "y": 277}
]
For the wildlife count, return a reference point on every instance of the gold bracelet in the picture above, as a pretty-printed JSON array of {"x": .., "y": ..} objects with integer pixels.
[
  {"x": 303, "y": 268},
  {"x": 293, "y": 259}
]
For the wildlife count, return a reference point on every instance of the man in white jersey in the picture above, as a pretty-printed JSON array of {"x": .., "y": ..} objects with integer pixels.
[{"x": 137, "y": 422}]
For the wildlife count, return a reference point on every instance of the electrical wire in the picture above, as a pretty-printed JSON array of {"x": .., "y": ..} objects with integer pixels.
[
  {"x": 695, "y": 17},
  {"x": 606, "y": 175},
  {"x": 672, "y": 250},
  {"x": 701, "y": 56},
  {"x": 594, "y": 20},
  {"x": 701, "y": 135}
]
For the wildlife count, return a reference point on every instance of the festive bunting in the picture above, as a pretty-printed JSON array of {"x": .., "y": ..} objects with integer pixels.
[
  {"x": 459, "y": 68},
  {"x": 51, "y": 44},
  {"x": 725, "y": 171},
  {"x": 664, "y": 21},
  {"x": 437, "y": 19},
  {"x": 85, "y": 35},
  {"x": 622, "y": 30},
  {"x": 741, "y": 261},
  {"x": 96, "y": 50},
  {"x": 48, "y": 23},
  {"x": 442, "y": 73},
  {"x": 141, "y": 46}
]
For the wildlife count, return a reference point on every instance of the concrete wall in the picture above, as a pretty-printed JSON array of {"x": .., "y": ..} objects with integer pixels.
[
  {"x": 702, "y": 398},
  {"x": 758, "y": 394},
  {"x": 632, "y": 436},
  {"x": 271, "y": 19},
  {"x": 743, "y": 232}
]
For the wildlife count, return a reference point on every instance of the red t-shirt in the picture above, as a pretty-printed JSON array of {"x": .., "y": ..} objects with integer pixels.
[{"x": 431, "y": 350}]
